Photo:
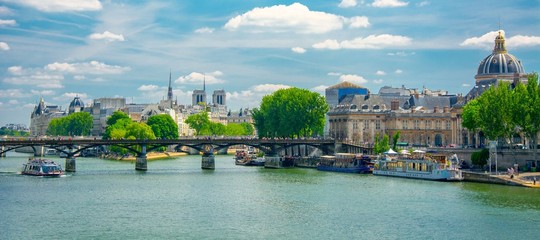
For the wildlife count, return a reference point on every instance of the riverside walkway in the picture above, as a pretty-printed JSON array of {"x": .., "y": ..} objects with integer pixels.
[{"x": 524, "y": 179}]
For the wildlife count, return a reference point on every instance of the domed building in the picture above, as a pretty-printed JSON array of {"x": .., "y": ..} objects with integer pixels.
[
  {"x": 499, "y": 66},
  {"x": 76, "y": 105}
]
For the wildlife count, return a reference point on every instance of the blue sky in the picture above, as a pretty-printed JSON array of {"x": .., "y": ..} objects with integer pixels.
[{"x": 106, "y": 48}]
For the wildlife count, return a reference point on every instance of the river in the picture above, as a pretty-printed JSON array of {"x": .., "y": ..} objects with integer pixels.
[{"x": 176, "y": 199}]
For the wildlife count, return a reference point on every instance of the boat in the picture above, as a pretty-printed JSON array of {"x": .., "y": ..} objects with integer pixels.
[
  {"x": 346, "y": 162},
  {"x": 42, "y": 167},
  {"x": 246, "y": 158},
  {"x": 418, "y": 165},
  {"x": 51, "y": 152}
]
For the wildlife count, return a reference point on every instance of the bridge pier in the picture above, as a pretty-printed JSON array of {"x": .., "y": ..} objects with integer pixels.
[
  {"x": 71, "y": 165},
  {"x": 208, "y": 160},
  {"x": 3, "y": 154},
  {"x": 141, "y": 163}
]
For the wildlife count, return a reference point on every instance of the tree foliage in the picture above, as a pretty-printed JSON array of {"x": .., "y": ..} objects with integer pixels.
[
  {"x": 480, "y": 158},
  {"x": 76, "y": 124},
  {"x": 290, "y": 112},
  {"x": 117, "y": 115},
  {"x": 395, "y": 139},
  {"x": 15, "y": 133},
  {"x": 204, "y": 127},
  {"x": 163, "y": 126},
  {"x": 381, "y": 145},
  {"x": 502, "y": 112}
]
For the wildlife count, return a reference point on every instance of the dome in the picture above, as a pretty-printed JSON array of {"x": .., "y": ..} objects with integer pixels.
[
  {"x": 77, "y": 102},
  {"x": 500, "y": 61}
]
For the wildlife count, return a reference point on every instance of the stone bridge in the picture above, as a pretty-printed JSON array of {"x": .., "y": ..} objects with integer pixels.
[{"x": 206, "y": 145}]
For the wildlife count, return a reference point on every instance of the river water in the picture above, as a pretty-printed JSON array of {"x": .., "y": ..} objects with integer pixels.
[{"x": 176, "y": 199}]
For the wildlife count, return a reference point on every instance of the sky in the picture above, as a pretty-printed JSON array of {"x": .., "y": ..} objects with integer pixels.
[{"x": 59, "y": 49}]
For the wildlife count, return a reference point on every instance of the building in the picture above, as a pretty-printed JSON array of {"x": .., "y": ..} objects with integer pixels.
[
  {"x": 101, "y": 109},
  {"x": 423, "y": 118},
  {"x": 42, "y": 115}
]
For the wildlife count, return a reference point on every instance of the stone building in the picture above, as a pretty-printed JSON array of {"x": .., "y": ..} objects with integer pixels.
[
  {"x": 42, "y": 115},
  {"x": 423, "y": 118}
]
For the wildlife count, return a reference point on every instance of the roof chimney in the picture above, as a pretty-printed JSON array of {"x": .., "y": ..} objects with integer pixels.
[{"x": 394, "y": 105}]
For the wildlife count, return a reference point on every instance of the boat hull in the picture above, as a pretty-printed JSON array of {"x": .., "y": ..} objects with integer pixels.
[
  {"x": 362, "y": 169},
  {"x": 440, "y": 175}
]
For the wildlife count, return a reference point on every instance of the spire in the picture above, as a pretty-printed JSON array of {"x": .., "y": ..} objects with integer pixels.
[
  {"x": 169, "y": 93},
  {"x": 204, "y": 83}
]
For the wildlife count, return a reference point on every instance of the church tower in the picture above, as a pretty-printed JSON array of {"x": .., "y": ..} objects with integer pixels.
[{"x": 169, "y": 93}]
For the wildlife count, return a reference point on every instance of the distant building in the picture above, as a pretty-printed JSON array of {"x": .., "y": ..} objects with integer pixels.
[
  {"x": 219, "y": 97},
  {"x": 101, "y": 109},
  {"x": 42, "y": 115}
]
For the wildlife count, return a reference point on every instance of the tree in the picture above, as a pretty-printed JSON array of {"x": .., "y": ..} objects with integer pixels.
[
  {"x": 495, "y": 110},
  {"x": 76, "y": 124},
  {"x": 395, "y": 139},
  {"x": 290, "y": 112},
  {"x": 120, "y": 124},
  {"x": 526, "y": 114},
  {"x": 480, "y": 158},
  {"x": 137, "y": 130},
  {"x": 163, "y": 126},
  {"x": 248, "y": 128},
  {"x": 117, "y": 115},
  {"x": 381, "y": 145},
  {"x": 198, "y": 121}
]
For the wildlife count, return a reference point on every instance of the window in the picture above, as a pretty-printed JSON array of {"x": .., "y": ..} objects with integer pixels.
[
  {"x": 448, "y": 126},
  {"x": 438, "y": 125},
  {"x": 366, "y": 124},
  {"x": 405, "y": 124},
  {"x": 416, "y": 124},
  {"x": 428, "y": 124},
  {"x": 377, "y": 124}
]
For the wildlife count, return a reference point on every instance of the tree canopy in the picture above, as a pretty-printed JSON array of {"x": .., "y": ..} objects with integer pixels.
[
  {"x": 117, "y": 115},
  {"x": 75, "y": 124},
  {"x": 163, "y": 126},
  {"x": 204, "y": 127},
  {"x": 291, "y": 112}
]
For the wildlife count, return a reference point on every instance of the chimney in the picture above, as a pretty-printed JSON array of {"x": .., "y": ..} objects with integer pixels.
[
  {"x": 435, "y": 109},
  {"x": 445, "y": 109},
  {"x": 394, "y": 105}
]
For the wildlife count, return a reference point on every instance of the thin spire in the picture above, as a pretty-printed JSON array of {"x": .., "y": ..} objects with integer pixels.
[
  {"x": 170, "y": 93},
  {"x": 204, "y": 83}
]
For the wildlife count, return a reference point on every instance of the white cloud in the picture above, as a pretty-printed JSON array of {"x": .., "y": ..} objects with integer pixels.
[
  {"x": 41, "y": 80},
  {"x": 205, "y": 30},
  {"x": 484, "y": 41},
  {"x": 92, "y": 67},
  {"x": 269, "y": 88},
  {"x": 292, "y": 18},
  {"x": 353, "y": 79},
  {"x": 61, "y": 5},
  {"x": 358, "y": 22},
  {"x": 347, "y": 3},
  {"x": 320, "y": 89},
  {"x": 7, "y": 22},
  {"x": 68, "y": 96},
  {"x": 334, "y": 74},
  {"x": 5, "y": 11},
  {"x": 43, "y": 92},
  {"x": 12, "y": 93},
  {"x": 79, "y": 77},
  {"x": 525, "y": 41},
  {"x": 378, "y": 81},
  {"x": 198, "y": 78},
  {"x": 298, "y": 50},
  {"x": 369, "y": 42},
  {"x": 253, "y": 96},
  {"x": 98, "y": 79},
  {"x": 401, "y": 53},
  {"x": 4, "y": 46},
  {"x": 109, "y": 36},
  {"x": 399, "y": 71},
  {"x": 389, "y": 3},
  {"x": 465, "y": 85},
  {"x": 423, "y": 3},
  {"x": 380, "y": 73},
  {"x": 149, "y": 87},
  {"x": 15, "y": 70}
]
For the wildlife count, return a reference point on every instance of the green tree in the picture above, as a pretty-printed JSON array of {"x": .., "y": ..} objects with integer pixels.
[
  {"x": 76, "y": 124},
  {"x": 117, "y": 115},
  {"x": 137, "y": 130},
  {"x": 395, "y": 139},
  {"x": 526, "y": 112},
  {"x": 381, "y": 145},
  {"x": 163, "y": 126},
  {"x": 198, "y": 122},
  {"x": 480, "y": 158},
  {"x": 248, "y": 129},
  {"x": 290, "y": 112},
  {"x": 495, "y": 112},
  {"x": 120, "y": 124}
]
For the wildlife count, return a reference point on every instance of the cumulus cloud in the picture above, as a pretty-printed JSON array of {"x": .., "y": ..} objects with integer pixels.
[
  {"x": 254, "y": 94},
  {"x": 369, "y": 42},
  {"x": 465, "y": 85},
  {"x": 401, "y": 53},
  {"x": 298, "y": 50},
  {"x": 7, "y": 22},
  {"x": 292, "y": 18},
  {"x": 92, "y": 67},
  {"x": 269, "y": 88},
  {"x": 487, "y": 41},
  {"x": 347, "y": 3},
  {"x": 4, "y": 46},
  {"x": 15, "y": 70},
  {"x": 320, "y": 89},
  {"x": 61, "y": 5},
  {"x": 204, "y": 30},
  {"x": 334, "y": 74},
  {"x": 389, "y": 3},
  {"x": 399, "y": 71},
  {"x": 149, "y": 87},
  {"x": 358, "y": 22},
  {"x": 353, "y": 79},
  {"x": 109, "y": 36},
  {"x": 199, "y": 78},
  {"x": 68, "y": 96},
  {"x": 378, "y": 81},
  {"x": 523, "y": 41},
  {"x": 380, "y": 73},
  {"x": 423, "y": 3}
]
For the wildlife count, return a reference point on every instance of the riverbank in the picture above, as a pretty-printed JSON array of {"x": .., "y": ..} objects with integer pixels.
[
  {"x": 149, "y": 156},
  {"x": 523, "y": 179}
]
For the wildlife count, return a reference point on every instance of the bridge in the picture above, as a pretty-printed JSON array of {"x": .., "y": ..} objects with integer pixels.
[{"x": 206, "y": 145}]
